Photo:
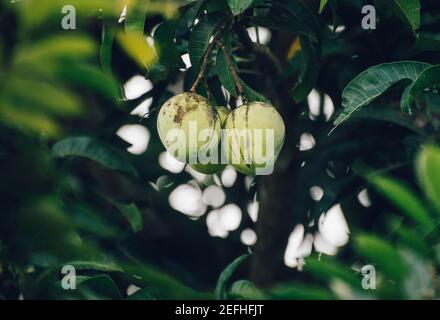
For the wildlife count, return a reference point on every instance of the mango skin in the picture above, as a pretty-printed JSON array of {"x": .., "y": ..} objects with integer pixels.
[
  {"x": 254, "y": 115},
  {"x": 209, "y": 168},
  {"x": 223, "y": 113},
  {"x": 177, "y": 113}
]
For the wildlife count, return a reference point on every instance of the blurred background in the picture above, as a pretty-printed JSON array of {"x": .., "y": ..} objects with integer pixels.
[{"x": 86, "y": 182}]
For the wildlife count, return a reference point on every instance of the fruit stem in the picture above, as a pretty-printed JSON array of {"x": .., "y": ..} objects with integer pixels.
[{"x": 234, "y": 73}]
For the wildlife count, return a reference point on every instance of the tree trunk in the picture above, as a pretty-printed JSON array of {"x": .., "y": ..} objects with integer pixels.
[{"x": 278, "y": 210}]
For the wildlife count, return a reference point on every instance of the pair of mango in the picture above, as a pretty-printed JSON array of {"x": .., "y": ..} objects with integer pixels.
[{"x": 249, "y": 138}]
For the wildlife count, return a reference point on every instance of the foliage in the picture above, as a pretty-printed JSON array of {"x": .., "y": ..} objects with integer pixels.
[{"x": 73, "y": 195}]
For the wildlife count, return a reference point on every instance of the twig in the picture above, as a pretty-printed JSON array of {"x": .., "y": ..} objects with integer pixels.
[
  {"x": 234, "y": 73},
  {"x": 206, "y": 59}
]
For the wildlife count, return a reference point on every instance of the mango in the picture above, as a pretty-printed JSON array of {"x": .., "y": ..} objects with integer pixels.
[
  {"x": 188, "y": 126},
  {"x": 253, "y": 137},
  {"x": 212, "y": 168}
]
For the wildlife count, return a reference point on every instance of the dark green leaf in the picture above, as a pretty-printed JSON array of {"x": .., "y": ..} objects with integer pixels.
[
  {"x": 244, "y": 289},
  {"x": 253, "y": 95},
  {"x": 309, "y": 59},
  {"x": 429, "y": 77},
  {"x": 401, "y": 196},
  {"x": 299, "y": 291},
  {"x": 373, "y": 82},
  {"x": 170, "y": 287},
  {"x": 239, "y": 6},
  {"x": 286, "y": 25},
  {"x": 389, "y": 115},
  {"x": 165, "y": 46},
  {"x": 96, "y": 266},
  {"x": 95, "y": 150},
  {"x": 322, "y": 5},
  {"x": 428, "y": 172},
  {"x": 382, "y": 254},
  {"x": 409, "y": 10},
  {"x": 221, "y": 291},
  {"x": 200, "y": 37},
  {"x": 327, "y": 268},
  {"x": 132, "y": 214},
  {"x": 144, "y": 294},
  {"x": 298, "y": 11},
  {"x": 99, "y": 287},
  {"x": 187, "y": 20},
  {"x": 108, "y": 38},
  {"x": 424, "y": 43},
  {"x": 91, "y": 78},
  {"x": 135, "y": 17},
  {"x": 222, "y": 68}
]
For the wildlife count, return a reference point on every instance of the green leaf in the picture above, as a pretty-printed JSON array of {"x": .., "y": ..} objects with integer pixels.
[
  {"x": 327, "y": 268},
  {"x": 428, "y": 172},
  {"x": 91, "y": 78},
  {"x": 221, "y": 291},
  {"x": 95, "y": 150},
  {"x": 424, "y": 43},
  {"x": 89, "y": 220},
  {"x": 322, "y": 5},
  {"x": 135, "y": 17},
  {"x": 381, "y": 254},
  {"x": 144, "y": 294},
  {"x": 30, "y": 121},
  {"x": 96, "y": 266},
  {"x": 244, "y": 289},
  {"x": 401, "y": 196},
  {"x": 170, "y": 287},
  {"x": 42, "y": 96},
  {"x": 411, "y": 238},
  {"x": 309, "y": 59},
  {"x": 299, "y": 291},
  {"x": 192, "y": 11},
  {"x": 239, "y": 6},
  {"x": 409, "y": 10},
  {"x": 253, "y": 95},
  {"x": 373, "y": 82},
  {"x": 297, "y": 11},
  {"x": 429, "y": 77},
  {"x": 132, "y": 214},
  {"x": 55, "y": 48},
  {"x": 99, "y": 287},
  {"x": 388, "y": 115},
  {"x": 165, "y": 46},
  {"x": 108, "y": 38},
  {"x": 200, "y": 37},
  {"x": 286, "y": 25},
  {"x": 222, "y": 68}
]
